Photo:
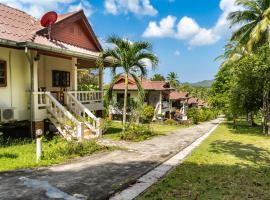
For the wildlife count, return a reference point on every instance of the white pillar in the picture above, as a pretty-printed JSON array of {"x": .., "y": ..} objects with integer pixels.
[
  {"x": 75, "y": 74},
  {"x": 160, "y": 102},
  {"x": 35, "y": 109}
]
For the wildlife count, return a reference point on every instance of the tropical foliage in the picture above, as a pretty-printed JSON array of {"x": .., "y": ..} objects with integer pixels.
[
  {"x": 130, "y": 58},
  {"x": 242, "y": 84},
  {"x": 158, "y": 77}
]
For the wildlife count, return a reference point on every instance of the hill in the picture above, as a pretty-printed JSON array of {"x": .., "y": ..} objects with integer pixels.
[{"x": 205, "y": 83}]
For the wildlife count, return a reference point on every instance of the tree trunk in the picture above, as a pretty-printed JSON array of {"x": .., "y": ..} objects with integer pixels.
[
  {"x": 125, "y": 101},
  {"x": 265, "y": 110}
]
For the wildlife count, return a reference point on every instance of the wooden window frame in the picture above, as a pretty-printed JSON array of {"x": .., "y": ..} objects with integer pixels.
[
  {"x": 5, "y": 73},
  {"x": 61, "y": 82}
]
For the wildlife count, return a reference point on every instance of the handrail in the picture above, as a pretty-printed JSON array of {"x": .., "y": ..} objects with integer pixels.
[
  {"x": 62, "y": 115},
  {"x": 77, "y": 107}
]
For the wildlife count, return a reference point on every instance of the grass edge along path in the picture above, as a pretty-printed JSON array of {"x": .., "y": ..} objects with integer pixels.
[{"x": 230, "y": 164}]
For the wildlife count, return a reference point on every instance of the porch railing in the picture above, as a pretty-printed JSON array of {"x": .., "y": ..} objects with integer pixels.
[
  {"x": 90, "y": 120},
  {"x": 87, "y": 97},
  {"x": 65, "y": 121}
]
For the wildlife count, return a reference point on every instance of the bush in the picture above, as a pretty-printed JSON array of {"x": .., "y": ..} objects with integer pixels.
[
  {"x": 194, "y": 115},
  {"x": 137, "y": 132},
  {"x": 170, "y": 122},
  {"x": 147, "y": 114},
  {"x": 59, "y": 147}
]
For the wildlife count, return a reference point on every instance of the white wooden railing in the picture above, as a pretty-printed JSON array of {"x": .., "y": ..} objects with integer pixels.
[
  {"x": 87, "y": 97},
  {"x": 41, "y": 100},
  {"x": 89, "y": 119},
  {"x": 67, "y": 122}
]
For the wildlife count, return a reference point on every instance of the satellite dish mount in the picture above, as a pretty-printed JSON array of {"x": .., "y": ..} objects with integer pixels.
[{"x": 48, "y": 20}]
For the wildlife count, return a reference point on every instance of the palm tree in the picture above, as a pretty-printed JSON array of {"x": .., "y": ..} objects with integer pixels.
[
  {"x": 254, "y": 32},
  {"x": 131, "y": 58},
  {"x": 254, "y": 20},
  {"x": 172, "y": 78},
  {"x": 157, "y": 77}
]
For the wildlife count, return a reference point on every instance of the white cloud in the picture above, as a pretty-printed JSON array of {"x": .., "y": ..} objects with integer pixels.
[
  {"x": 188, "y": 29},
  {"x": 82, "y": 5},
  {"x": 177, "y": 53},
  {"x": 137, "y": 7},
  {"x": 163, "y": 29},
  {"x": 38, "y": 8}
]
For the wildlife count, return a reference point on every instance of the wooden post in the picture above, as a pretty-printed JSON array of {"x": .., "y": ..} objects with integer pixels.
[
  {"x": 100, "y": 77},
  {"x": 75, "y": 74}
]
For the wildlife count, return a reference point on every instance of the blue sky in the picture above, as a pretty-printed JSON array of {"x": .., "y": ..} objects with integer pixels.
[{"x": 187, "y": 35}]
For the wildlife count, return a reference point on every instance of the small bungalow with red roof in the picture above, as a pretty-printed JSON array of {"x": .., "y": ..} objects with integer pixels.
[
  {"x": 38, "y": 73},
  {"x": 157, "y": 94},
  {"x": 166, "y": 101}
]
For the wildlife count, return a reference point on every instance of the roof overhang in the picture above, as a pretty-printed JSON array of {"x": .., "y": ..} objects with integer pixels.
[{"x": 48, "y": 49}]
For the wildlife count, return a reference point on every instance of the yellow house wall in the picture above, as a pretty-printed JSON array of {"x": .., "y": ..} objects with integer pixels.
[
  {"x": 18, "y": 82},
  {"x": 45, "y": 67}
]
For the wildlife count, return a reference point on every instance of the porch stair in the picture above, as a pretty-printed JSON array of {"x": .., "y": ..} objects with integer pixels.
[
  {"x": 67, "y": 125},
  {"x": 84, "y": 115}
]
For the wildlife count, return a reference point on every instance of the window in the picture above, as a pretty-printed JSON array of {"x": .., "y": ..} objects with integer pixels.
[
  {"x": 60, "y": 78},
  {"x": 3, "y": 73}
]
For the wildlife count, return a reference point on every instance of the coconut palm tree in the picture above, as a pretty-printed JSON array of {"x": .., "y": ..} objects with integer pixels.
[
  {"x": 131, "y": 59},
  {"x": 172, "y": 78},
  {"x": 254, "y": 21}
]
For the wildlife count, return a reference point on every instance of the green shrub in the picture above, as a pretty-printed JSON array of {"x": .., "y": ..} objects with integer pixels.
[
  {"x": 147, "y": 114},
  {"x": 170, "y": 122},
  {"x": 59, "y": 147},
  {"x": 137, "y": 132},
  {"x": 194, "y": 115}
]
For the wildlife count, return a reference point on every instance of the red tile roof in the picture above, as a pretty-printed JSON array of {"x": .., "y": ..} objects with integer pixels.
[
  {"x": 18, "y": 26},
  {"x": 146, "y": 84},
  {"x": 193, "y": 100},
  {"x": 178, "y": 95}
]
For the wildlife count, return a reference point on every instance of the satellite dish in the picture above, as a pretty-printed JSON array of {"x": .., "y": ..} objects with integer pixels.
[{"x": 48, "y": 20}]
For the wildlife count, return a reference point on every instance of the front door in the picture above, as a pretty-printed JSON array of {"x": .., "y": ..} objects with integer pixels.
[{"x": 61, "y": 80}]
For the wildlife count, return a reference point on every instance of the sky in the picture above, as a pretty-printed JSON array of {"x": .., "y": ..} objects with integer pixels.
[{"x": 187, "y": 35}]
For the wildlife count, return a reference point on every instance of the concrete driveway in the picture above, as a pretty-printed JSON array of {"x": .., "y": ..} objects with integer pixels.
[{"x": 100, "y": 175}]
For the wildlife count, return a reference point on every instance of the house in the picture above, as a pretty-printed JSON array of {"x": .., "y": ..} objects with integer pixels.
[
  {"x": 156, "y": 94},
  {"x": 38, "y": 73},
  {"x": 167, "y": 102}
]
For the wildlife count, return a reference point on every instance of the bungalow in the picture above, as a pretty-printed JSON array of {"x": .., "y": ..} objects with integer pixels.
[
  {"x": 167, "y": 102},
  {"x": 156, "y": 94},
  {"x": 38, "y": 73}
]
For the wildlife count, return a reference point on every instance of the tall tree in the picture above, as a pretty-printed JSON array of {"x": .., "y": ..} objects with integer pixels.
[
  {"x": 172, "y": 78},
  {"x": 158, "y": 77},
  {"x": 254, "y": 21},
  {"x": 254, "y": 32},
  {"x": 131, "y": 58}
]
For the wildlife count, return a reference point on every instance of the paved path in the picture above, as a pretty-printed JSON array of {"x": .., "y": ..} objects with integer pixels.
[{"x": 100, "y": 175}]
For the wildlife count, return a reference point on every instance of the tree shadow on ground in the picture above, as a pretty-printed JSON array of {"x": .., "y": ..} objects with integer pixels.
[
  {"x": 247, "y": 152},
  {"x": 243, "y": 128},
  {"x": 8, "y": 155},
  {"x": 205, "y": 181}
]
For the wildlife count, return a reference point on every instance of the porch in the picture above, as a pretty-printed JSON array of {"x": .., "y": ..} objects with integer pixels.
[{"x": 55, "y": 96}]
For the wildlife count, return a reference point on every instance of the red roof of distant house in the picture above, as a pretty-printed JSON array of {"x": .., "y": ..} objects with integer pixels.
[
  {"x": 193, "y": 100},
  {"x": 178, "y": 95},
  {"x": 146, "y": 84},
  {"x": 18, "y": 26}
]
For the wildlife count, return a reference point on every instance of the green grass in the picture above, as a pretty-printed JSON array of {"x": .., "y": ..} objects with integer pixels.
[
  {"x": 21, "y": 154},
  {"x": 230, "y": 164},
  {"x": 115, "y": 129}
]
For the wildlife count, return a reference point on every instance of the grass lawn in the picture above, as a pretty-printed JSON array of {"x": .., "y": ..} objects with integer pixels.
[
  {"x": 230, "y": 164},
  {"x": 115, "y": 129},
  {"x": 21, "y": 154}
]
